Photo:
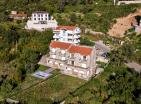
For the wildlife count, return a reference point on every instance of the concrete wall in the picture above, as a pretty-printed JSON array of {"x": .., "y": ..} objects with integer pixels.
[{"x": 40, "y": 27}]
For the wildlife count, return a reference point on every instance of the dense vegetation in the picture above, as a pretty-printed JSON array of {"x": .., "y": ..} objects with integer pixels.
[
  {"x": 97, "y": 15},
  {"x": 20, "y": 50},
  {"x": 117, "y": 84}
]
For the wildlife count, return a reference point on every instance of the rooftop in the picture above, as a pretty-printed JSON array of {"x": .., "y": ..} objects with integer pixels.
[
  {"x": 65, "y": 27},
  {"x": 83, "y": 50},
  {"x": 19, "y": 15},
  {"x": 61, "y": 45}
]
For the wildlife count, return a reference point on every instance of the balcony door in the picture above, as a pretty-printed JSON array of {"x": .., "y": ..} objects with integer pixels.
[{"x": 72, "y": 63}]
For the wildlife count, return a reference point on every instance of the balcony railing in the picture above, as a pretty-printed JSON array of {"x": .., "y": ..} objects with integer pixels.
[
  {"x": 76, "y": 41},
  {"x": 52, "y": 53},
  {"x": 76, "y": 36},
  {"x": 56, "y": 36}
]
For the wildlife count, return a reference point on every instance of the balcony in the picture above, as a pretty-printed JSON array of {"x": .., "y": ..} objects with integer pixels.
[
  {"x": 56, "y": 36},
  {"x": 53, "y": 56},
  {"x": 77, "y": 31},
  {"x": 62, "y": 55},
  {"x": 76, "y": 36},
  {"x": 52, "y": 53},
  {"x": 76, "y": 41},
  {"x": 71, "y": 58},
  {"x": 63, "y": 58},
  {"x": 70, "y": 36}
]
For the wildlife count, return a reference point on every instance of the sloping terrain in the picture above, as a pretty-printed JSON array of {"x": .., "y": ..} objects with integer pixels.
[{"x": 123, "y": 24}]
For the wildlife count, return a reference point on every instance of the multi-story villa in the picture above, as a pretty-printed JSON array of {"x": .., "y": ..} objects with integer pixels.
[
  {"x": 74, "y": 60},
  {"x": 41, "y": 20},
  {"x": 14, "y": 15},
  {"x": 69, "y": 34}
]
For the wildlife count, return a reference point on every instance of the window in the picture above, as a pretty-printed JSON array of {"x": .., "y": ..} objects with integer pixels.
[
  {"x": 41, "y": 15},
  {"x": 38, "y": 18},
  {"x": 84, "y": 58},
  {"x": 42, "y": 18},
  {"x": 64, "y": 31},
  {"x": 46, "y": 18},
  {"x": 72, "y": 55},
  {"x": 49, "y": 17},
  {"x": 70, "y": 35},
  {"x": 72, "y": 62},
  {"x": 34, "y": 18},
  {"x": 69, "y": 39}
]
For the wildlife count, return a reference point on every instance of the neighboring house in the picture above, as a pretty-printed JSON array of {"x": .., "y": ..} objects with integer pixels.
[
  {"x": 40, "y": 21},
  {"x": 69, "y": 34},
  {"x": 120, "y": 2},
  {"x": 14, "y": 15},
  {"x": 74, "y": 60}
]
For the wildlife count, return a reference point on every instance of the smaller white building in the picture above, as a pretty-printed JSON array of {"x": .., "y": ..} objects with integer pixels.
[
  {"x": 69, "y": 34},
  {"x": 40, "y": 21}
]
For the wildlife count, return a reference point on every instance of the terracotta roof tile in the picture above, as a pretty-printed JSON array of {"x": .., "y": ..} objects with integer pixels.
[
  {"x": 19, "y": 15},
  {"x": 61, "y": 45},
  {"x": 80, "y": 49},
  {"x": 83, "y": 50},
  {"x": 65, "y": 27}
]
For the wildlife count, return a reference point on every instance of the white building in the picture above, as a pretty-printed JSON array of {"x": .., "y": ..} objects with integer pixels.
[
  {"x": 41, "y": 20},
  {"x": 120, "y": 2},
  {"x": 69, "y": 34},
  {"x": 74, "y": 60}
]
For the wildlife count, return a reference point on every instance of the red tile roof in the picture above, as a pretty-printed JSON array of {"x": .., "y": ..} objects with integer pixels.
[
  {"x": 83, "y": 50},
  {"x": 61, "y": 45},
  {"x": 19, "y": 15},
  {"x": 65, "y": 27},
  {"x": 80, "y": 49}
]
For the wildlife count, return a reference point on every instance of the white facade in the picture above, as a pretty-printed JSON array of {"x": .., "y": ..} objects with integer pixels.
[
  {"x": 69, "y": 34},
  {"x": 128, "y": 2},
  {"x": 74, "y": 60},
  {"x": 41, "y": 21}
]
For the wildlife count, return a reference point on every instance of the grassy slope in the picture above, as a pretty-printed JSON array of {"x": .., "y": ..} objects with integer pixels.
[{"x": 53, "y": 89}]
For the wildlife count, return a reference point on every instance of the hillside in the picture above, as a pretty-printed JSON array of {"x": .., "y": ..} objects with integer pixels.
[
  {"x": 123, "y": 24},
  {"x": 21, "y": 50},
  {"x": 97, "y": 15}
]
